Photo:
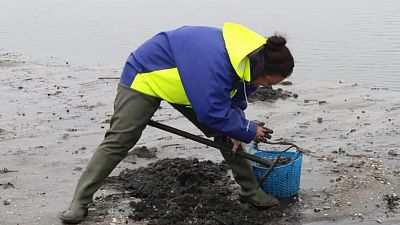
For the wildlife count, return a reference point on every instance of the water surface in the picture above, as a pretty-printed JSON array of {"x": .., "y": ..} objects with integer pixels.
[{"x": 355, "y": 41}]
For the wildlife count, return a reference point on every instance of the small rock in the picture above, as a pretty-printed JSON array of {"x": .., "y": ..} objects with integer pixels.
[
  {"x": 393, "y": 152},
  {"x": 341, "y": 82},
  {"x": 327, "y": 207},
  {"x": 7, "y": 202},
  {"x": 77, "y": 169},
  {"x": 317, "y": 210},
  {"x": 306, "y": 101},
  {"x": 335, "y": 203},
  {"x": 130, "y": 158},
  {"x": 319, "y": 119},
  {"x": 359, "y": 215},
  {"x": 286, "y": 83},
  {"x": 295, "y": 95},
  {"x": 349, "y": 203},
  {"x": 144, "y": 152},
  {"x": 379, "y": 221},
  {"x": 321, "y": 102}
]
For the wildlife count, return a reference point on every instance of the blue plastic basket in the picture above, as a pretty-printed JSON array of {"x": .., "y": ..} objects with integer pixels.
[{"x": 283, "y": 181}]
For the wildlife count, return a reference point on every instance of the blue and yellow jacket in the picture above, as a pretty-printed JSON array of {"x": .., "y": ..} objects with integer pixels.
[{"x": 203, "y": 67}]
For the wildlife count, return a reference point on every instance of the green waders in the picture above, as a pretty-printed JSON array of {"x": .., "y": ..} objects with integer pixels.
[{"x": 132, "y": 111}]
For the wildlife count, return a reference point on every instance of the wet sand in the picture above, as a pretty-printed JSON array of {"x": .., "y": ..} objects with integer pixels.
[{"x": 53, "y": 116}]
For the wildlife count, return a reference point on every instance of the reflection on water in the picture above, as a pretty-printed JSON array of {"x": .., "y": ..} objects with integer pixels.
[{"x": 351, "y": 40}]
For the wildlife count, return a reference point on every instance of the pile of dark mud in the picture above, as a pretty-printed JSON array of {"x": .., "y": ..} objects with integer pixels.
[
  {"x": 270, "y": 94},
  {"x": 282, "y": 161},
  {"x": 180, "y": 191}
]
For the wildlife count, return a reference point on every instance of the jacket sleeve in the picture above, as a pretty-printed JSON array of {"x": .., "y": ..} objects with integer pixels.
[{"x": 214, "y": 108}]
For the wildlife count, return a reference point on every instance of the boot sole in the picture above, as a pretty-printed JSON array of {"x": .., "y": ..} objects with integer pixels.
[
  {"x": 70, "y": 221},
  {"x": 244, "y": 199},
  {"x": 67, "y": 220}
]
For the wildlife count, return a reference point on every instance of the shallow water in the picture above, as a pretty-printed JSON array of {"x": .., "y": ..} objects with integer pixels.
[{"x": 349, "y": 40}]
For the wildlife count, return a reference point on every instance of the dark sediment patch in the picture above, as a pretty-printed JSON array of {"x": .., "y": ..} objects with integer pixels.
[
  {"x": 392, "y": 201},
  {"x": 286, "y": 83},
  {"x": 144, "y": 152},
  {"x": 270, "y": 94},
  {"x": 7, "y": 185},
  {"x": 6, "y": 170},
  {"x": 179, "y": 191}
]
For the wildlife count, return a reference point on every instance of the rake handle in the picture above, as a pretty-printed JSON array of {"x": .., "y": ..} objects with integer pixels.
[{"x": 242, "y": 154}]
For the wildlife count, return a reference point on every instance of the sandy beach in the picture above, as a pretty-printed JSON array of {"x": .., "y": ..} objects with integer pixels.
[{"x": 53, "y": 115}]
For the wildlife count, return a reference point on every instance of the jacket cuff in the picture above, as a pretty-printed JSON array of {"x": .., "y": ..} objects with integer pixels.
[{"x": 251, "y": 132}]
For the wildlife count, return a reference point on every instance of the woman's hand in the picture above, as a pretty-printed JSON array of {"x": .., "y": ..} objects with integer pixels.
[
  {"x": 236, "y": 145},
  {"x": 262, "y": 132}
]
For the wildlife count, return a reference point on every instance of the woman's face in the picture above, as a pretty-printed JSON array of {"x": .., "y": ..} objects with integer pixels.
[{"x": 268, "y": 80}]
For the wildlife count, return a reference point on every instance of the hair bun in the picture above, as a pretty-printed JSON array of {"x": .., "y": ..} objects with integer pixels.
[{"x": 276, "y": 43}]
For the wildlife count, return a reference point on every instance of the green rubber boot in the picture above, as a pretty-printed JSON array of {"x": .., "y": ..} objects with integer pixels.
[
  {"x": 97, "y": 170},
  {"x": 259, "y": 198},
  {"x": 243, "y": 173}
]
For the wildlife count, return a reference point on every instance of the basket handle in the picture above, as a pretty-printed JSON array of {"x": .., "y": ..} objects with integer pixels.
[{"x": 254, "y": 146}]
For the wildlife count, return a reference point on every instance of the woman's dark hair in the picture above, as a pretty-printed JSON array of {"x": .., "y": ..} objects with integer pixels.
[{"x": 272, "y": 58}]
